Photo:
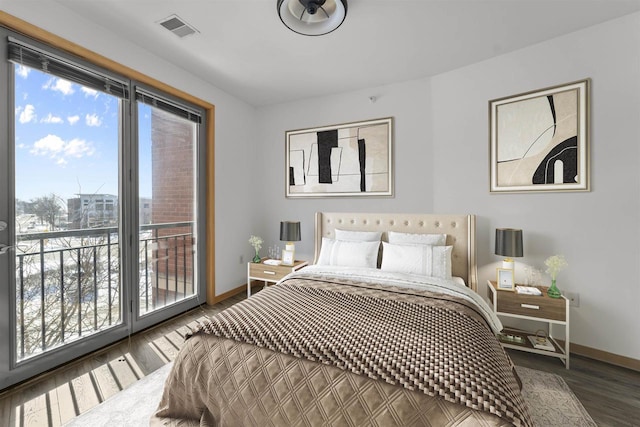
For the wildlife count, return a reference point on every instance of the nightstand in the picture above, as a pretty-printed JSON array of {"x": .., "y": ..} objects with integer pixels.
[
  {"x": 553, "y": 311},
  {"x": 269, "y": 273}
]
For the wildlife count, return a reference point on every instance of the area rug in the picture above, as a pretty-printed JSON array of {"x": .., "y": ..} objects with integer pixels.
[{"x": 551, "y": 402}]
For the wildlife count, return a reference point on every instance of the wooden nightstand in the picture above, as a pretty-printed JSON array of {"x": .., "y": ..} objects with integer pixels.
[
  {"x": 554, "y": 311},
  {"x": 269, "y": 273}
]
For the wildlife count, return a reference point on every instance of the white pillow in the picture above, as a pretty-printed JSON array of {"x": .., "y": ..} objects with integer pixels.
[
  {"x": 348, "y": 254},
  {"x": 358, "y": 236},
  {"x": 425, "y": 260},
  {"x": 417, "y": 239}
]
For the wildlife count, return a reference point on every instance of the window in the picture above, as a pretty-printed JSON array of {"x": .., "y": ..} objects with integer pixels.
[{"x": 97, "y": 157}]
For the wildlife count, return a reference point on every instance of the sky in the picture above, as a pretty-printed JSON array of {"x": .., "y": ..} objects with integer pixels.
[{"x": 67, "y": 138}]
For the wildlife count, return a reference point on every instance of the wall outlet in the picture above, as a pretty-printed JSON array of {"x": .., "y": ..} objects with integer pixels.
[
  {"x": 241, "y": 259},
  {"x": 574, "y": 299}
]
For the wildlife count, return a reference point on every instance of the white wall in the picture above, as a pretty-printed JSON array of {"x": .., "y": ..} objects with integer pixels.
[
  {"x": 598, "y": 232},
  {"x": 407, "y": 103},
  {"x": 441, "y": 165},
  {"x": 234, "y": 131}
]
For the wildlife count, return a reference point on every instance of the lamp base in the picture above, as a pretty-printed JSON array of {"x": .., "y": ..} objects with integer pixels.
[
  {"x": 508, "y": 263},
  {"x": 288, "y": 254}
]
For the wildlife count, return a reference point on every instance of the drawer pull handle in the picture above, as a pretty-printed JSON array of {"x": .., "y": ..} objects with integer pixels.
[
  {"x": 534, "y": 307},
  {"x": 269, "y": 272}
]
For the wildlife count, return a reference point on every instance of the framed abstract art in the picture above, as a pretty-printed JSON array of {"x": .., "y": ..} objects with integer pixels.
[
  {"x": 352, "y": 159},
  {"x": 539, "y": 141}
]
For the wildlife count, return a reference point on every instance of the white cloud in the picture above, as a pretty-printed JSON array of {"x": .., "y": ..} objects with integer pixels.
[
  {"x": 23, "y": 71},
  {"x": 52, "y": 119},
  {"x": 92, "y": 120},
  {"x": 26, "y": 114},
  {"x": 73, "y": 119},
  {"x": 59, "y": 85},
  {"x": 89, "y": 92},
  {"x": 50, "y": 144},
  {"x": 60, "y": 150},
  {"x": 78, "y": 148}
]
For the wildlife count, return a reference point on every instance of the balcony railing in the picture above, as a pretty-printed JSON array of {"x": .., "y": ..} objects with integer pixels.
[{"x": 69, "y": 283}]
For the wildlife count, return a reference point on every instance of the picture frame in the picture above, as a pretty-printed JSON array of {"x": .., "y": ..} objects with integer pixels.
[
  {"x": 504, "y": 279},
  {"x": 287, "y": 257},
  {"x": 346, "y": 160},
  {"x": 539, "y": 140}
]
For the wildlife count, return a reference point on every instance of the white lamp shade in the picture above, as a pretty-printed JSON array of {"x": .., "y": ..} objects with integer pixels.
[{"x": 329, "y": 17}]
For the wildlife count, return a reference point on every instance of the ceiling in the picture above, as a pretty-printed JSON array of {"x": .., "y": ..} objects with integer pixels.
[{"x": 244, "y": 49}]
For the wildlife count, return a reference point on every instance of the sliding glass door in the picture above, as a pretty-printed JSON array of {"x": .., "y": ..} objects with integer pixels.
[
  {"x": 66, "y": 193},
  {"x": 168, "y": 159},
  {"x": 100, "y": 208}
]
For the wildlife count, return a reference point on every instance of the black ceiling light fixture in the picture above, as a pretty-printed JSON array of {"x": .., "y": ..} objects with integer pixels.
[{"x": 312, "y": 17}]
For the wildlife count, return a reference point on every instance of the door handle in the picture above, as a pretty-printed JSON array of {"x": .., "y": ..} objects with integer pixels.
[{"x": 4, "y": 249}]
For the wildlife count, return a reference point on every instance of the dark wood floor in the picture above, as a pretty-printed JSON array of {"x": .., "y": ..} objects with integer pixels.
[{"x": 610, "y": 394}]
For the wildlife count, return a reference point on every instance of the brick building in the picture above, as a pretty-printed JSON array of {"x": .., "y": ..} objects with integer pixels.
[{"x": 173, "y": 164}]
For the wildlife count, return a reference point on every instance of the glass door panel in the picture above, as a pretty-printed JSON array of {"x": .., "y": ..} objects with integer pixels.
[
  {"x": 67, "y": 249},
  {"x": 167, "y": 172}
]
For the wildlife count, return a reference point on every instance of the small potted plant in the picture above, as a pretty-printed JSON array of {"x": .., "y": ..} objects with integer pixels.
[
  {"x": 554, "y": 264},
  {"x": 256, "y": 242}
]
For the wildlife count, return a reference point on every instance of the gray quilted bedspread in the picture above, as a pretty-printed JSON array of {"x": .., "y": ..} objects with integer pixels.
[{"x": 313, "y": 351}]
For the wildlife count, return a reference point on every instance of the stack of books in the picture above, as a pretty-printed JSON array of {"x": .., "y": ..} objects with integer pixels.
[
  {"x": 541, "y": 343},
  {"x": 528, "y": 290}
]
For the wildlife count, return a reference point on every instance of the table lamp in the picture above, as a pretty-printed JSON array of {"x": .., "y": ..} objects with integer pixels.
[
  {"x": 289, "y": 232},
  {"x": 508, "y": 244}
]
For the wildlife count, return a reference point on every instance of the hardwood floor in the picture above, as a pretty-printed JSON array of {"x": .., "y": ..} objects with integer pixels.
[
  {"x": 61, "y": 395},
  {"x": 610, "y": 394}
]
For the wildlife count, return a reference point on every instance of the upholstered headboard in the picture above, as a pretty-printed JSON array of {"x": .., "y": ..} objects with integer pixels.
[{"x": 460, "y": 230}]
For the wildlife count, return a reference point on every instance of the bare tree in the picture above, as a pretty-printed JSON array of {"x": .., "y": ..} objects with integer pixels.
[
  {"x": 76, "y": 294},
  {"x": 68, "y": 285},
  {"x": 47, "y": 209}
]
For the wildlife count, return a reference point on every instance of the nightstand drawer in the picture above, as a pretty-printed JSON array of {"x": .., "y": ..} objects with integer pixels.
[
  {"x": 545, "y": 308},
  {"x": 272, "y": 273},
  {"x": 268, "y": 272},
  {"x": 542, "y": 307}
]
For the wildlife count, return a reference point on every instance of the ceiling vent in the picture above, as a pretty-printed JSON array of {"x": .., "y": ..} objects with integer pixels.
[{"x": 177, "y": 26}]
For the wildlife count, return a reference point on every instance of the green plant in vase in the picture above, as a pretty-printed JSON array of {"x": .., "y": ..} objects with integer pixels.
[
  {"x": 554, "y": 264},
  {"x": 256, "y": 242}
]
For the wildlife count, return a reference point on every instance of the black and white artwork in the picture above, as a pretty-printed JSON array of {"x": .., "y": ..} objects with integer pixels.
[
  {"x": 539, "y": 140},
  {"x": 352, "y": 159}
]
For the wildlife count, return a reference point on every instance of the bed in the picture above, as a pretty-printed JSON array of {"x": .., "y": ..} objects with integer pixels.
[{"x": 386, "y": 335}]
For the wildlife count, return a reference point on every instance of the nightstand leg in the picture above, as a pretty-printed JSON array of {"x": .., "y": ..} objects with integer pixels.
[
  {"x": 248, "y": 280},
  {"x": 567, "y": 341}
]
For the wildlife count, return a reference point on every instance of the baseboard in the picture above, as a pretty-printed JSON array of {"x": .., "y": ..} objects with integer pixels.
[
  {"x": 229, "y": 294},
  {"x": 605, "y": 356},
  {"x": 235, "y": 291}
]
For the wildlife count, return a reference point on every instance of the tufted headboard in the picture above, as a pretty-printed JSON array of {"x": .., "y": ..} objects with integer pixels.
[{"x": 460, "y": 230}]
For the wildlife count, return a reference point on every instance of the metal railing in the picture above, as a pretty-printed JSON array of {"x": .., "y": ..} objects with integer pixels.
[{"x": 69, "y": 283}]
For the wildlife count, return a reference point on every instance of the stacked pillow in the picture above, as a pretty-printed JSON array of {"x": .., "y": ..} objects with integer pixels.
[
  {"x": 423, "y": 254},
  {"x": 351, "y": 249}
]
